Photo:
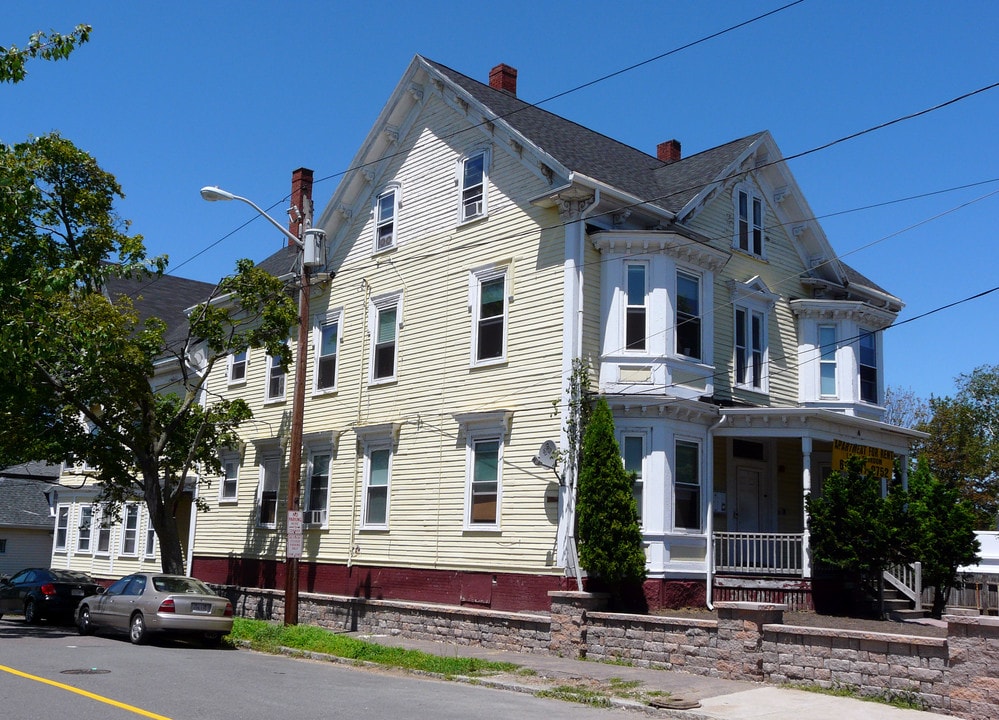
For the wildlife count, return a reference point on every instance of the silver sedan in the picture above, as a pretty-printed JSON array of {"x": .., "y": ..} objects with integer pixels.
[{"x": 146, "y": 603}]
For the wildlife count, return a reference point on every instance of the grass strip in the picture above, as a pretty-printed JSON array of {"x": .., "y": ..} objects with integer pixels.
[{"x": 268, "y": 637}]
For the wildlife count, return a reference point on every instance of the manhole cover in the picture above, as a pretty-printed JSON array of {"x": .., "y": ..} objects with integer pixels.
[{"x": 85, "y": 671}]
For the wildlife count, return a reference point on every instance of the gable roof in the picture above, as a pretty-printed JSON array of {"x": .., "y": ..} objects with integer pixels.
[{"x": 22, "y": 495}]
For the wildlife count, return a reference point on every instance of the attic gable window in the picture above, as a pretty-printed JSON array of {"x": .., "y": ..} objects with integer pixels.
[
  {"x": 474, "y": 174},
  {"x": 386, "y": 210},
  {"x": 748, "y": 221}
]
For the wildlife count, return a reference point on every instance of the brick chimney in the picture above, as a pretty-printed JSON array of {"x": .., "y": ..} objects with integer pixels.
[
  {"x": 669, "y": 151},
  {"x": 504, "y": 77},
  {"x": 301, "y": 198}
]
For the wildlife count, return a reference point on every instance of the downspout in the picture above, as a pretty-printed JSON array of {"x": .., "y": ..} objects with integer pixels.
[
  {"x": 710, "y": 522},
  {"x": 357, "y": 422}
]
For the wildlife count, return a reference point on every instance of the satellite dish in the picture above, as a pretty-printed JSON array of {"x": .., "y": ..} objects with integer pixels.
[{"x": 546, "y": 455}]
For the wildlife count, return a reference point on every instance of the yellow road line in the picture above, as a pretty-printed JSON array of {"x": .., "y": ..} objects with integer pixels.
[{"x": 78, "y": 691}]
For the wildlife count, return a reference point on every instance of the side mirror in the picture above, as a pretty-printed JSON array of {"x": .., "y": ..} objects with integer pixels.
[{"x": 101, "y": 590}]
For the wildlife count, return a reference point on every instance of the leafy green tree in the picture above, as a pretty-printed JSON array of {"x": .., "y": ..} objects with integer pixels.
[
  {"x": 938, "y": 531},
  {"x": 963, "y": 447},
  {"x": 48, "y": 46},
  {"x": 609, "y": 532},
  {"x": 79, "y": 371}
]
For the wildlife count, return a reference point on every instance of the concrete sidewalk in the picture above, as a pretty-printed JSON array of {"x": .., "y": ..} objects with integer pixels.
[{"x": 690, "y": 696}]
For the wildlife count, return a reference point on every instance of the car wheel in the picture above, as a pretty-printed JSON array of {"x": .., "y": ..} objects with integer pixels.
[
  {"x": 31, "y": 612},
  {"x": 137, "y": 629},
  {"x": 83, "y": 623}
]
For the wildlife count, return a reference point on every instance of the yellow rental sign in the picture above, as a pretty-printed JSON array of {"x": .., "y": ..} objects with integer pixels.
[{"x": 880, "y": 463}]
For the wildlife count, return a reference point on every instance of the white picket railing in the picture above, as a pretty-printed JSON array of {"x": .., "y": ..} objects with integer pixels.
[
  {"x": 758, "y": 553},
  {"x": 908, "y": 580}
]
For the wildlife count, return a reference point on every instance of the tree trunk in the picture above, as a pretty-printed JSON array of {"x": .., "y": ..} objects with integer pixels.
[{"x": 164, "y": 523}]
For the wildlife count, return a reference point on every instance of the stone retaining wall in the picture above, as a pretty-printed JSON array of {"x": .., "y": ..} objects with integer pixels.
[{"x": 958, "y": 674}]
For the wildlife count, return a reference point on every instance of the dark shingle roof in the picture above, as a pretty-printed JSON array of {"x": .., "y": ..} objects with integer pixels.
[
  {"x": 22, "y": 495},
  {"x": 165, "y": 297},
  {"x": 667, "y": 185}
]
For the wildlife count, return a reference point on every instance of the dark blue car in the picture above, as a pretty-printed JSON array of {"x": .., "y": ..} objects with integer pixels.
[{"x": 41, "y": 593}]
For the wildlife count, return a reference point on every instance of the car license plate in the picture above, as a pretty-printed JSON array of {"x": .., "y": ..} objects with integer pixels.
[
  {"x": 76, "y": 592},
  {"x": 201, "y": 607}
]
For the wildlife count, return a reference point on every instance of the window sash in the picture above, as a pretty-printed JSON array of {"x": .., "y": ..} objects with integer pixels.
[
  {"x": 230, "y": 478},
  {"x": 385, "y": 220},
  {"x": 62, "y": 527},
  {"x": 319, "y": 482},
  {"x": 84, "y": 530},
  {"x": 326, "y": 356},
  {"x": 385, "y": 343},
  {"x": 377, "y": 487},
  {"x": 130, "y": 530},
  {"x": 473, "y": 186},
  {"x": 827, "y": 360},
  {"x": 635, "y": 330},
  {"x": 750, "y": 223},
  {"x": 749, "y": 348},
  {"x": 868, "y": 361},
  {"x": 688, "y": 315},
  {"x": 270, "y": 478},
  {"x": 633, "y": 447},
  {"x": 687, "y": 486},
  {"x": 483, "y": 505},
  {"x": 237, "y": 367},
  {"x": 275, "y": 378},
  {"x": 491, "y": 320}
]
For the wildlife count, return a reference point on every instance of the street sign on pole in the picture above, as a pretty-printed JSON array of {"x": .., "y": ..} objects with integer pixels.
[{"x": 295, "y": 534}]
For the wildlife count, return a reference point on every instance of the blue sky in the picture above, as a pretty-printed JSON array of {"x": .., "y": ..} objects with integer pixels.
[{"x": 174, "y": 96}]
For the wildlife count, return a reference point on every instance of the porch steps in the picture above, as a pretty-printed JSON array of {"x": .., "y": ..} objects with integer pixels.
[{"x": 900, "y": 608}]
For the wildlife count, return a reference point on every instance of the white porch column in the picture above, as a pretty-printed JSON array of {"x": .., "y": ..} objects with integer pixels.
[{"x": 806, "y": 489}]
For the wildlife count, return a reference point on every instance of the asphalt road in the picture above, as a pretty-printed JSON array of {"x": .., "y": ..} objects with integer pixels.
[{"x": 51, "y": 671}]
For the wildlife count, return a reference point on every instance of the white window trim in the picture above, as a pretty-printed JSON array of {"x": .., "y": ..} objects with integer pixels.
[
  {"x": 369, "y": 448},
  {"x": 752, "y": 194},
  {"x": 460, "y": 179},
  {"x": 677, "y": 439},
  {"x": 246, "y": 368},
  {"x": 268, "y": 399},
  {"x": 124, "y": 531},
  {"x": 834, "y": 361},
  {"x": 384, "y": 302},
  {"x": 319, "y": 322},
  {"x": 396, "y": 190},
  {"x": 63, "y": 512},
  {"x": 261, "y": 481},
  {"x": 89, "y": 550},
  {"x": 98, "y": 523},
  {"x": 751, "y": 311},
  {"x": 476, "y": 279},
  {"x": 313, "y": 452},
  {"x": 495, "y": 434},
  {"x": 225, "y": 457}
]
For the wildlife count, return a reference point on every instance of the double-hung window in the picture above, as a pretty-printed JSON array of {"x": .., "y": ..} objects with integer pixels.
[
  {"x": 83, "y": 531},
  {"x": 327, "y": 340},
  {"x": 749, "y": 222},
  {"x": 688, "y": 315},
  {"x": 635, "y": 327},
  {"x": 377, "y": 478},
  {"x": 474, "y": 176},
  {"x": 827, "y": 360},
  {"x": 484, "y": 477},
  {"x": 267, "y": 492},
  {"x": 150, "y": 549},
  {"x": 237, "y": 367},
  {"x": 386, "y": 210},
  {"x": 489, "y": 316},
  {"x": 103, "y": 535},
  {"x": 633, "y": 450},
  {"x": 750, "y": 348},
  {"x": 275, "y": 379},
  {"x": 868, "y": 361},
  {"x": 130, "y": 530},
  {"x": 230, "y": 477},
  {"x": 687, "y": 485},
  {"x": 62, "y": 527},
  {"x": 317, "y": 491},
  {"x": 385, "y": 338}
]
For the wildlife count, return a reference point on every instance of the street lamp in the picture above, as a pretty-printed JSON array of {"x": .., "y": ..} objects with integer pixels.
[{"x": 310, "y": 248}]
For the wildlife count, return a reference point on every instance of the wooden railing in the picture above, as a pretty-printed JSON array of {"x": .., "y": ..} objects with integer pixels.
[
  {"x": 758, "y": 553},
  {"x": 908, "y": 580}
]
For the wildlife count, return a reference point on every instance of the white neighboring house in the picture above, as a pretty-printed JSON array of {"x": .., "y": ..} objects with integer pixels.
[
  {"x": 27, "y": 515},
  {"x": 84, "y": 539}
]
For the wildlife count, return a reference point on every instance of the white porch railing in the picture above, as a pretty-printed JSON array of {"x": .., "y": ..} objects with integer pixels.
[
  {"x": 758, "y": 553},
  {"x": 908, "y": 580}
]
